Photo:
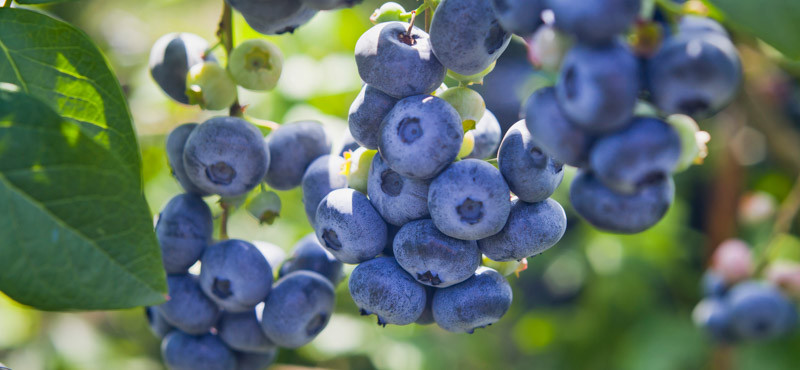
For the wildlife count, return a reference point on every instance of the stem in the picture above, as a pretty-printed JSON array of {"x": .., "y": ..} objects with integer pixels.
[
  {"x": 7, "y": 4},
  {"x": 411, "y": 23},
  {"x": 223, "y": 224},
  {"x": 225, "y": 35},
  {"x": 783, "y": 223},
  {"x": 428, "y": 16}
]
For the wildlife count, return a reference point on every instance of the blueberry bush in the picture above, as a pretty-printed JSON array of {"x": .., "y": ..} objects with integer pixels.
[{"x": 236, "y": 184}]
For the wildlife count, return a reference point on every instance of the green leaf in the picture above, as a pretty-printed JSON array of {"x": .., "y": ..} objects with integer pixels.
[
  {"x": 75, "y": 230},
  {"x": 60, "y": 65},
  {"x": 777, "y": 22},
  {"x": 40, "y": 1}
]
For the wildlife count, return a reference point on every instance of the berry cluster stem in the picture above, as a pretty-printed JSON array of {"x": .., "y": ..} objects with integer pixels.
[
  {"x": 225, "y": 35},
  {"x": 223, "y": 222},
  {"x": 783, "y": 223}
]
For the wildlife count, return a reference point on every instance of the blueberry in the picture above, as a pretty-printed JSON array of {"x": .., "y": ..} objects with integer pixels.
[
  {"x": 235, "y": 274},
  {"x": 187, "y": 308},
  {"x": 714, "y": 315},
  {"x": 255, "y": 361},
  {"x": 553, "y": 132},
  {"x": 241, "y": 331},
  {"x": 433, "y": 258},
  {"x": 256, "y": 64},
  {"x": 760, "y": 311},
  {"x": 505, "y": 89},
  {"x": 621, "y": 213},
  {"x": 299, "y": 308},
  {"x": 184, "y": 230},
  {"x": 182, "y": 351},
  {"x": 694, "y": 23},
  {"x": 366, "y": 114},
  {"x": 170, "y": 59},
  {"x": 532, "y": 228},
  {"x": 487, "y": 137},
  {"x": 466, "y": 36},
  {"x": 478, "y": 302},
  {"x": 292, "y": 148},
  {"x": 158, "y": 324},
  {"x": 381, "y": 287},
  {"x": 349, "y": 143},
  {"x": 210, "y": 85},
  {"x": 599, "y": 86},
  {"x": 176, "y": 141},
  {"x": 322, "y": 176},
  {"x": 530, "y": 173},
  {"x": 645, "y": 151},
  {"x": 274, "y": 17},
  {"x": 398, "y": 199},
  {"x": 396, "y": 63},
  {"x": 427, "y": 315},
  {"x": 308, "y": 254},
  {"x": 331, "y": 4},
  {"x": 521, "y": 17},
  {"x": 349, "y": 226},
  {"x": 469, "y": 200},
  {"x": 595, "y": 22},
  {"x": 421, "y": 136},
  {"x": 226, "y": 156},
  {"x": 714, "y": 285},
  {"x": 694, "y": 73}
]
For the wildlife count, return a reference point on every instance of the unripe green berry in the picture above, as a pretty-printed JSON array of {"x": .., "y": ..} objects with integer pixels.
[
  {"x": 389, "y": 12},
  {"x": 472, "y": 79},
  {"x": 468, "y": 145},
  {"x": 357, "y": 164},
  {"x": 468, "y": 103},
  {"x": 210, "y": 86},
  {"x": 506, "y": 268},
  {"x": 693, "y": 141},
  {"x": 256, "y": 64},
  {"x": 265, "y": 207}
]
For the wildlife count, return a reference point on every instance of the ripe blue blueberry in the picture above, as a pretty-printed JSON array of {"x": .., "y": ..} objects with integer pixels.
[
  {"x": 760, "y": 311},
  {"x": 176, "y": 141},
  {"x": 226, "y": 156},
  {"x": 298, "y": 309},
  {"x": 366, "y": 114},
  {"x": 470, "y": 200},
  {"x": 184, "y": 230},
  {"x": 553, "y": 132},
  {"x": 398, "y": 199},
  {"x": 532, "y": 228},
  {"x": 421, "y": 136},
  {"x": 433, "y": 258},
  {"x": 293, "y": 147},
  {"x": 646, "y": 150},
  {"x": 694, "y": 73},
  {"x": 235, "y": 274},
  {"x": 487, "y": 137},
  {"x": 158, "y": 324},
  {"x": 381, "y": 287},
  {"x": 478, "y": 302},
  {"x": 520, "y": 17},
  {"x": 241, "y": 331},
  {"x": 397, "y": 63},
  {"x": 621, "y": 213},
  {"x": 274, "y": 17},
  {"x": 322, "y": 176},
  {"x": 187, "y": 307},
  {"x": 531, "y": 174},
  {"x": 274, "y": 254},
  {"x": 170, "y": 59},
  {"x": 466, "y": 36},
  {"x": 308, "y": 254},
  {"x": 598, "y": 86},
  {"x": 595, "y": 22},
  {"x": 182, "y": 351},
  {"x": 349, "y": 226},
  {"x": 255, "y": 361},
  {"x": 714, "y": 315}
]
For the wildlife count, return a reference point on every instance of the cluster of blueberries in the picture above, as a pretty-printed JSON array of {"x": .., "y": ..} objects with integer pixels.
[
  {"x": 589, "y": 119},
  {"x": 274, "y": 17},
  {"x": 231, "y": 315},
  {"x": 737, "y": 307}
]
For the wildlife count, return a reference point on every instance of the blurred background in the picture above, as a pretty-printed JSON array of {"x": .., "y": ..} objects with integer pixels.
[{"x": 595, "y": 301}]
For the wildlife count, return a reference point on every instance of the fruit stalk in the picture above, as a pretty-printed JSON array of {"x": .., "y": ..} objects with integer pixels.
[
  {"x": 225, "y": 35},
  {"x": 783, "y": 223}
]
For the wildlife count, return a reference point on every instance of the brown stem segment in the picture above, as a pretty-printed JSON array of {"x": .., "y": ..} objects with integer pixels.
[
  {"x": 223, "y": 222},
  {"x": 411, "y": 23},
  {"x": 225, "y": 35}
]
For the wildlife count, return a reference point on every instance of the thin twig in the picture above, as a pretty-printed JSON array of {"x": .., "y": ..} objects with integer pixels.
[
  {"x": 225, "y": 35},
  {"x": 223, "y": 222},
  {"x": 783, "y": 224}
]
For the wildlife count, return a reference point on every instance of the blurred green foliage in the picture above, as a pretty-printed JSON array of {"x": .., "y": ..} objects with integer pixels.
[{"x": 595, "y": 301}]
